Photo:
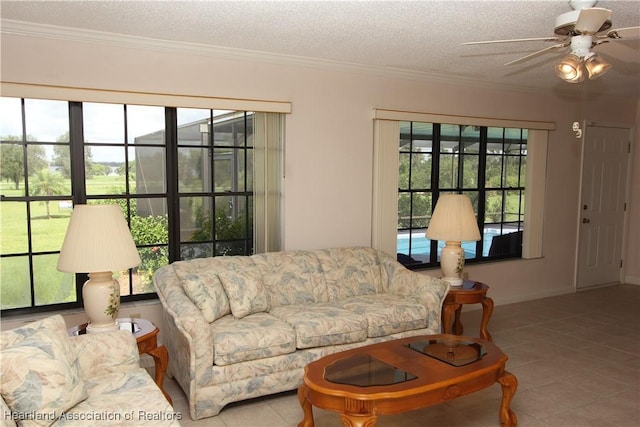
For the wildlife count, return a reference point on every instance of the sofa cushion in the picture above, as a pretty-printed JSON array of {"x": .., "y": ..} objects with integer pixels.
[
  {"x": 38, "y": 371},
  {"x": 218, "y": 263},
  {"x": 388, "y": 314},
  {"x": 129, "y": 398},
  {"x": 350, "y": 272},
  {"x": 207, "y": 293},
  {"x": 245, "y": 291},
  {"x": 322, "y": 324},
  {"x": 255, "y": 336},
  {"x": 292, "y": 277}
]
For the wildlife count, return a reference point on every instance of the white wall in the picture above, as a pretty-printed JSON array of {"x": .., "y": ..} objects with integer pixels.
[
  {"x": 632, "y": 259},
  {"x": 329, "y": 137}
]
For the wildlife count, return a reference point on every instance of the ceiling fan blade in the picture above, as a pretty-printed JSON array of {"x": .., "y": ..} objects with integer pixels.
[
  {"x": 620, "y": 33},
  {"x": 619, "y": 53},
  {"x": 540, "y": 52},
  {"x": 541, "y": 39},
  {"x": 590, "y": 20}
]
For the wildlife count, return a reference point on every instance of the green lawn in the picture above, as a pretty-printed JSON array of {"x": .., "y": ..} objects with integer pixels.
[{"x": 47, "y": 233}]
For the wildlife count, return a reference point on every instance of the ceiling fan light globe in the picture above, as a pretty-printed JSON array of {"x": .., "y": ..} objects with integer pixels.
[
  {"x": 570, "y": 69},
  {"x": 596, "y": 66}
]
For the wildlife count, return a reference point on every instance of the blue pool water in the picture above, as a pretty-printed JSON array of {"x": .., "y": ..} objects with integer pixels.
[{"x": 420, "y": 245}]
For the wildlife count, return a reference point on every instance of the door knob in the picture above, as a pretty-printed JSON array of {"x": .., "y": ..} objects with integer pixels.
[{"x": 586, "y": 220}]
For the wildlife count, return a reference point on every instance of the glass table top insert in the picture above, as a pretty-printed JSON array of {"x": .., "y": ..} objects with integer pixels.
[
  {"x": 453, "y": 352},
  {"x": 364, "y": 370}
]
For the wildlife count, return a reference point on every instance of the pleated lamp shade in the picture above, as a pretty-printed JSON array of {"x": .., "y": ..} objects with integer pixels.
[
  {"x": 453, "y": 219},
  {"x": 98, "y": 239}
]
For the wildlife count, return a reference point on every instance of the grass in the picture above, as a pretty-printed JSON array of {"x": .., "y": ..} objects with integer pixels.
[{"x": 50, "y": 285}]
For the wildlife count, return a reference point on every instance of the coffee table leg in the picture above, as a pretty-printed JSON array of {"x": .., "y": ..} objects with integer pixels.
[
  {"x": 307, "y": 421},
  {"x": 353, "y": 420},
  {"x": 509, "y": 384}
]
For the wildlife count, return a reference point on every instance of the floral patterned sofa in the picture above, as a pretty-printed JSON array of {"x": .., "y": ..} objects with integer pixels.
[
  {"x": 48, "y": 378},
  {"x": 240, "y": 327}
]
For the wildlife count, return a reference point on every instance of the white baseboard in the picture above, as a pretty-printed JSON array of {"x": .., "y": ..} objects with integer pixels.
[
  {"x": 497, "y": 300},
  {"x": 632, "y": 280}
]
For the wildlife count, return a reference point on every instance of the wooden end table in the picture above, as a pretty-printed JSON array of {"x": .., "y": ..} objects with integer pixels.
[
  {"x": 146, "y": 334},
  {"x": 402, "y": 375},
  {"x": 471, "y": 292}
]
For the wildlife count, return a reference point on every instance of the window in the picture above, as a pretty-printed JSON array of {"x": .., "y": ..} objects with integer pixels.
[
  {"x": 183, "y": 177},
  {"x": 216, "y": 213},
  {"x": 486, "y": 163},
  {"x": 418, "y": 156}
]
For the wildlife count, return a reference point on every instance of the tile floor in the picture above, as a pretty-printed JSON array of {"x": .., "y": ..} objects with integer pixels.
[{"x": 576, "y": 357}]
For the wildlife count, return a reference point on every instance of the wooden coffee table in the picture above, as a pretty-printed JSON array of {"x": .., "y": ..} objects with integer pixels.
[{"x": 403, "y": 375}]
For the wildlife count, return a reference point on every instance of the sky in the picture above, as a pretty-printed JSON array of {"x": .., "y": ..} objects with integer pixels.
[{"x": 46, "y": 120}]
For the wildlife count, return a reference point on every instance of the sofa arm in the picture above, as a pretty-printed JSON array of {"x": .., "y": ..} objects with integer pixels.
[
  {"x": 106, "y": 352},
  {"x": 188, "y": 334},
  {"x": 428, "y": 290}
]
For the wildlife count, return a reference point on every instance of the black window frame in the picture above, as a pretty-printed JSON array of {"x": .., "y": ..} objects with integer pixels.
[
  {"x": 79, "y": 195},
  {"x": 486, "y": 137}
]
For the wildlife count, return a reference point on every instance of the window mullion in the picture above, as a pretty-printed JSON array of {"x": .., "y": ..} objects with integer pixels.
[
  {"x": 76, "y": 145},
  {"x": 460, "y": 171},
  {"x": 482, "y": 189},
  {"x": 171, "y": 164},
  {"x": 78, "y": 183},
  {"x": 25, "y": 173},
  {"x": 435, "y": 184}
]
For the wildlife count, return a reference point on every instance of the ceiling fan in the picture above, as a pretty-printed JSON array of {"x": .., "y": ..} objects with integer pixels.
[{"x": 582, "y": 29}]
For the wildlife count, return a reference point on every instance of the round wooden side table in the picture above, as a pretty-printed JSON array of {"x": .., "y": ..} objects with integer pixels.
[
  {"x": 146, "y": 335},
  {"x": 471, "y": 292}
]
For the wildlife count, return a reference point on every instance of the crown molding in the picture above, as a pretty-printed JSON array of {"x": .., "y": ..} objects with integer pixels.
[{"x": 30, "y": 29}]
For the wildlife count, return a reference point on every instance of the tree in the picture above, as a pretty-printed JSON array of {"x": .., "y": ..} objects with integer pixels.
[
  {"x": 62, "y": 157},
  {"x": 47, "y": 183},
  {"x": 12, "y": 158},
  {"x": 62, "y": 160},
  {"x": 122, "y": 170},
  {"x": 100, "y": 169}
]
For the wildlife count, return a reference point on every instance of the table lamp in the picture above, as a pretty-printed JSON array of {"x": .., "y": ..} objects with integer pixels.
[
  {"x": 98, "y": 242},
  {"x": 453, "y": 221}
]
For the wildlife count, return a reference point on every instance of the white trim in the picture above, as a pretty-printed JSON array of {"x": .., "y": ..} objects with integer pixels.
[
  {"x": 409, "y": 116},
  {"x": 30, "y": 29},
  {"x": 500, "y": 300},
  {"x": 64, "y": 93},
  {"x": 632, "y": 280}
]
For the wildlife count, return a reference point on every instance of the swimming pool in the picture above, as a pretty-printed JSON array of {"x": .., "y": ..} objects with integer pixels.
[{"x": 420, "y": 245}]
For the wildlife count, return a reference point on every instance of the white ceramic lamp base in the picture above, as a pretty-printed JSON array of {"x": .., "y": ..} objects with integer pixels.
[
  {"x": 101, "y": 295},
  {"x": 452, "y": 263}
]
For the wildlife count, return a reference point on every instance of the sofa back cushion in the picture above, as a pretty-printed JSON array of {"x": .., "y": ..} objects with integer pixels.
[
  {"x": 246, "y": 292},
  {"x": 351, "y": 271},
  {"x": 206, "y": 292},
  {"x": 39, "y": 373},
  {"x": 292, "y": 277},
  {"x": 201, "y": 283}
]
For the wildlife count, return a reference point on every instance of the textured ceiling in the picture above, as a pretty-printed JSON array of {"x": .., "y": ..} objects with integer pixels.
[{"x": 416, "y": 36}]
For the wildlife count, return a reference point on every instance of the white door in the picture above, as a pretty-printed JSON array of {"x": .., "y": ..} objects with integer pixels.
[{"x": 603, "y": 197}]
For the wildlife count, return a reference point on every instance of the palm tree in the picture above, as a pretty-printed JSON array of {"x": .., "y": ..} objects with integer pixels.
[{"x": 45, "y": 183}]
